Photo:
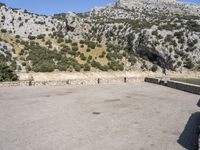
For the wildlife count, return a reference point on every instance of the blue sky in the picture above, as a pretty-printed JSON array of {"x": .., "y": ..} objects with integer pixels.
[{"x": 50, "y": 7}]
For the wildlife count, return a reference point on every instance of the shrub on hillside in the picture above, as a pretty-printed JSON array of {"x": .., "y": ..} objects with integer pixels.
[
  {"x": 7, "y": 73},
  {"x": 189, "y": 64},
  {"x": 3, "y": 30},
  {"x": 193, "y": 26},
  {"x": 92, "y": 45},
  {"x": 41, "y": 36},
  {"x": 132, "y": 59},
  {"x": 31, "y": 37},
  {"x": 17, "y": 36},
  {"x": 74, "y": 44},
  {"x": 60, "y": 40},
  {"x": 44, "y": 66},
  {"x": 87, "y": 67},
  {"x": 75, "y": 48},
  {"x": 68, "y": 41},
  {"x": 77, "y": 67},
  {"x": 82, "y": 56},
  {"x": 154, "y": 68},
  {"x": 65, "y": 49}
]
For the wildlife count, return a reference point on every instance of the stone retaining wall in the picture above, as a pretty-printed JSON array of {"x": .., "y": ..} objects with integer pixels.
[
  {"x": 176, "y": 85},
  {"x": 17, "y": 83},
  {"x": 184, "y": 87},
  {"x": 152, "y": 80},
  {"x": 85, "y": 81}
]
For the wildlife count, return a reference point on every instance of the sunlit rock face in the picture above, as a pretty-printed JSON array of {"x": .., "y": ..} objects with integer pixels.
[
  {"x": 129, "y": 2},
  {"x": 132, "y": 3}
]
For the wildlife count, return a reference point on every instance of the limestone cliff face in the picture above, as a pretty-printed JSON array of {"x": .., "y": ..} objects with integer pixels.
[
  {"x": 136, "y": 3},
  {"x": 75, "y": 25},
  {"x": 155, "y": 30},
  {"x": 129, "y": 2}
]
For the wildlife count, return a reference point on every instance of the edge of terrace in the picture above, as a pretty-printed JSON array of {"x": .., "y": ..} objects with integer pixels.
[{"x": 65, "y": 78}]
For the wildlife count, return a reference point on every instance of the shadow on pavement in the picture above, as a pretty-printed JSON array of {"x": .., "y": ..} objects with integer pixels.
[
  {"x": 198, "y": 104},
  {"x": 189, "y": 137}
]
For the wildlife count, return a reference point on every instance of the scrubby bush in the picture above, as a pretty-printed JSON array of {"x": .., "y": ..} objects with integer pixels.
[
  {"x": 75, "y": 48},
  {"x": 88, "y": 50},
  {"x": 23, "y": 63},
  {"x": 7, "y": 73},
  {"x": 82, "y": 56},
  {"x": 155, "y": 33},
  {"x": 31, "y": 37},
  {"x": 68, "y": 41},
  {"x": 3, "y": 30},
  {"x": 95, "y": 64},
  {"x": 65, "y": 49},
  {"x": 44, "y": 66},
  {"x": 168, "y": 38},
  {"x": 28, "y": 68},
  {"x": 82, "y": 42},
  {"x": 41, "y": 58},
  {"x": 154, "y": 68},
  {"x": 74, "y": 44},
  {"x": 193, "y": 26},
  {"x": 132, "y": 59},
  {"x": 17, "y": 36},
  {"x": 169, "y": 27},
  {"x": 87, "y": 67},
  {"x": 116, "y": 66},
  {"x": 189, "y": 64},
  {"x": 179, "y": 34},
  {"x": 41, "y": 36},
  {"x": 92, "y": 45},
  {"x": 77, "y": 67},
  {"x": 104, "y": 68},
  {"x": 3, "y": 17},
  {"x": 60, "y": 40},
  {"x": 179, "y": 63},
  {"x": 191, "y": 43}
]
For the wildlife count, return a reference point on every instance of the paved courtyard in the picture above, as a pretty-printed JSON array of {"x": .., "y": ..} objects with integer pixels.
[{"x": 138, "y": 116}]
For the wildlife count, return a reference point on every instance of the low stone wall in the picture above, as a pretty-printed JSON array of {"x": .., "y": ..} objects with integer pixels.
[
  {"x": 17, "y": 83},
  {"x": 152, "y": 80},
  {"x": 184, "y": 87},
  {"x": 85, "y": 81},
  {"x": 176, "y": 85}
]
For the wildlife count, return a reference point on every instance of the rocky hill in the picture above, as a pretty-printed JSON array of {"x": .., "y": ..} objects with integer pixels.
[{"x": 126, "y": 35}]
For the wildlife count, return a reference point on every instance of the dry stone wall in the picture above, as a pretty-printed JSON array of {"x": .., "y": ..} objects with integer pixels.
[
  {"x": 73, "y": 82},
  {"x": 64, "y": 78},
  {"x": 191, "y": 88}
]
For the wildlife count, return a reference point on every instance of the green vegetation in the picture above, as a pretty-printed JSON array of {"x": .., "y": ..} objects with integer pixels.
[
  {"x": 169, "y": 27},
  {"x": 154, "y": 68},
  {"x": 41, "y": 58},
  {"x": 193, "y": 26},
  {"x": 69, "y": 58},
  {"x": 7, "y": 73},
  {"x": 61, "y": 16},
  {"x": 189, "y": 64},
  {"x": 3, "y": 30}
]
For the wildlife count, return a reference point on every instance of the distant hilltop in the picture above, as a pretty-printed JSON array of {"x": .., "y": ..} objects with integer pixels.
[
  {"x": 2, "y": 4},
  {"x": 129, "y": 2},
  {"x": 154, "y": 4}
]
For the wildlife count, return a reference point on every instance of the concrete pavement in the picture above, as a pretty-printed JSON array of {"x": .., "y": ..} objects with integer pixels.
[{"x": 139, "y": 116}]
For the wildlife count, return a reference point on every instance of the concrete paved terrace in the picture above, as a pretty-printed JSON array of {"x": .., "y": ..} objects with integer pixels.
[{"x": 138, "y": 116}]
